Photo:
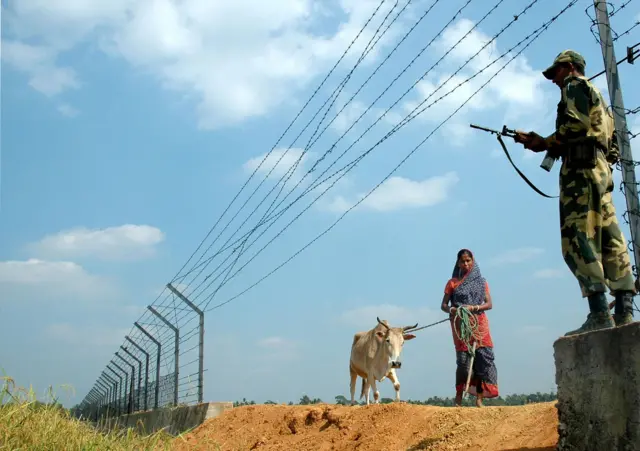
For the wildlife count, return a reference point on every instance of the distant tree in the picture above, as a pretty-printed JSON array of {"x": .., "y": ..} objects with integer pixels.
[
  {"x": 269, "y": 402},
  {"x": 244, "y": 402},
  {"x": 341, "y": 400},
  {"x": 305, "y": 400}
]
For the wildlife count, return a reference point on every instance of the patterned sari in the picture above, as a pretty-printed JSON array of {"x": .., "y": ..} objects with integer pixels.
[{"x": 472, "y": 289}]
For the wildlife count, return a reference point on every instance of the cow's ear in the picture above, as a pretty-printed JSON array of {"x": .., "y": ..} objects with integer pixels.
[
  {"x": 380, "y": 334},
  {"x": 409, "y": 336}
]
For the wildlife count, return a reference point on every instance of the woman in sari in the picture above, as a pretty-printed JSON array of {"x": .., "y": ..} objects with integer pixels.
[{"x": 469, "y": 290}]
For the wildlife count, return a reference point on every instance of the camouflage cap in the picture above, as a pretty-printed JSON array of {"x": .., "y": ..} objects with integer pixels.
[{"x": 567, "y": 56}]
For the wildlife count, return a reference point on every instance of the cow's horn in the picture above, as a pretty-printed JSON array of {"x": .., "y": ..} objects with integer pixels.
[
  {"x": 406, "y": 328},
  {"x": 382, "y": 323}
]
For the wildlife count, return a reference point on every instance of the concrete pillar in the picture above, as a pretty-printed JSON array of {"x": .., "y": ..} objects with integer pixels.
[{"x": 598, "y": 378}]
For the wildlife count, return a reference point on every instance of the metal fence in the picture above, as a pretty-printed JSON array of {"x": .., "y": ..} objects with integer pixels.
[{"x": 161, "y": 361}]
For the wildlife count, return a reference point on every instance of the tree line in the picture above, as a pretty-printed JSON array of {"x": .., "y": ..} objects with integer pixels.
[{"x": 508, "y": 400}]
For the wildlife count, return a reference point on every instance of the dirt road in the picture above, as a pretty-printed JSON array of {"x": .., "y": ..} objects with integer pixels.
[{"x": 386, "y": 427}]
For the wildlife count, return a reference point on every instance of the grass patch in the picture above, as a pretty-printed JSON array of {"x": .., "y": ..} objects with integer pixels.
[{"x": 28, "y": 424}]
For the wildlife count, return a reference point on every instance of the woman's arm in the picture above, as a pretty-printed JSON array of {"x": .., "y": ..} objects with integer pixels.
[
  {"x": 488, "y": 303},
  {"x": 445, "y": 303}
]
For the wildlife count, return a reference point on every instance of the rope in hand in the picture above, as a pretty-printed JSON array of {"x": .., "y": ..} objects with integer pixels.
[{"x": 469, "y": 328}]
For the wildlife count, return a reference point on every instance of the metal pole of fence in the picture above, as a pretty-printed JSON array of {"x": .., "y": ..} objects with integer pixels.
[
  {"x": 620, "y": 120},
  {"x": 115, "y": 390},
  {"x": 91, "y": 396},
  {"x": 119, "y": 391},
  {"x": 131, "y": 381},
  {"x": 107, "y": 389},
  {"x": 146, "y": 370},
  {"x": 100, "y": 404},
  {"x": 176, "y": 352},
  {"x": 139, "y": 373},
  {"x": 152, "y": 338},
  {"x": 201, "y": 339},
  {"x": 125, "y": 385}
]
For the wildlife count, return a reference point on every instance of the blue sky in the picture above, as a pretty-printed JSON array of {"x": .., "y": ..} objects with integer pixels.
[{"x": 129, "y": 126}]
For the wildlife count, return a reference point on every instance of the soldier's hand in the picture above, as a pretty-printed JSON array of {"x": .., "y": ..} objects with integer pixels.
[
  {"x": 531, "y": 141},
  {"x": 521, "y": 137}
]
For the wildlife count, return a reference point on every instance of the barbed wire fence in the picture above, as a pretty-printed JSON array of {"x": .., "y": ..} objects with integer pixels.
[
  {"x": 161, "y": 360},
  {"x": 628, "y": 188}
]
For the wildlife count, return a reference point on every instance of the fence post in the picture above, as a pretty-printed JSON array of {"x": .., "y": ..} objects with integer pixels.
[
  {"x": 105, "y": 386},
  {"x": 152, "y": 338},
  {"x": 92, "y": 402},
  {"x": 126, "y": 382},
  {"x": 176, "y": 333},
  {"x": 146, "y": 370},
  {"x": 119, "y": 391},
  {"x": 131, "y": 382},
  {"x": 139, "y": 372},
  {"x": 201, "y": 339},
  {"x": 107, "y": 394},
  {"x": 114, "y": 391},
  {"x": 620, "y": 120},
  {"x": 101, "y": 396}
]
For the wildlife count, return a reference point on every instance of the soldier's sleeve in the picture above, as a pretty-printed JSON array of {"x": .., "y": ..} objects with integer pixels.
[
  {"x": 574, "y": 113},
  {"x": 613, "y": 156}
]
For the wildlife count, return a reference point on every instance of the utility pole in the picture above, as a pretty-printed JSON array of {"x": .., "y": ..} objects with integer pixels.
[{"x": 619, "y": 117}]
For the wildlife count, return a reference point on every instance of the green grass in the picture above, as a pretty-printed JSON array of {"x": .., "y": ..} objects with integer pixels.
[{"x": 28, "y": 424}]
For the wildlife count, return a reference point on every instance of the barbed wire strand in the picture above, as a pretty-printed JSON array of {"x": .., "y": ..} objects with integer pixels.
[{"x": 397, "y": 127}]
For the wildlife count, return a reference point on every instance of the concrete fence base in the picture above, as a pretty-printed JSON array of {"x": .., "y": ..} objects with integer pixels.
[
  {"x": 172, "y": 420},
  {"x": 598, "y": 378}
]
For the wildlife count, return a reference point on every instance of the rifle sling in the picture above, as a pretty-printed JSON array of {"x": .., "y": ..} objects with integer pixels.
[{"x": 524, "y": 177}]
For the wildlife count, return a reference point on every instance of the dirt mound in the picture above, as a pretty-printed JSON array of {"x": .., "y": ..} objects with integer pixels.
[{"x": 383, "y": 427}]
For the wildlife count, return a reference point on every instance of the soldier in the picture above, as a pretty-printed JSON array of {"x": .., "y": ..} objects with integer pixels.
[{"x": 593, "y": 246}]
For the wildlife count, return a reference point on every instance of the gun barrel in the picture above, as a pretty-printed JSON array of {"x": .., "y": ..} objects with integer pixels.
[{"x": 483, "y": 128}]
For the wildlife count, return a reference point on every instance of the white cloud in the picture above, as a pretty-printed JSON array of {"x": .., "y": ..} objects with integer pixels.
[
  {"x": 280, "y": 163},
  {"x": 517, "y": 91},
  {"x": 549, "y": 273},
  {"x": 68, "y": 110},
  {"x": 398, "y": 192},
  {"x": 516, "y": 256},
  {"x": 364, "y": 318},
  {"x": 236, "y": 59},
  {"x": 112, "y": 243},
  {"x": 49, "y": 280},
  {"x": 39, "y": 64},
  {"x": 85, "y": 335}
]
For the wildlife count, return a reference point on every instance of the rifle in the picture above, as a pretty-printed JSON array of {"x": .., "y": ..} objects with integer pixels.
[{"x": 546, "y": 164}]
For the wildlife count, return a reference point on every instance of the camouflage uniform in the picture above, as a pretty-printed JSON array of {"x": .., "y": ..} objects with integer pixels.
[{"x": 593, "y": 246}]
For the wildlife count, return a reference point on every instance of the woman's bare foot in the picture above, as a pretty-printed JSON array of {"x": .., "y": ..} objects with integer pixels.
[
  {"x": 479, "y": 401},
  {"x": 458, "y": 400}
]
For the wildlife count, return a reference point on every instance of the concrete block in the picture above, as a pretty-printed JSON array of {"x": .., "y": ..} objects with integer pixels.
[
  {"x": 598, "y": 378},
  {"x": 173, "y": 420}
]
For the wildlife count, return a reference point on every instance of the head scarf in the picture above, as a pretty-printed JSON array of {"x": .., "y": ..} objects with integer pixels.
[{"x": 471, "y": 291}]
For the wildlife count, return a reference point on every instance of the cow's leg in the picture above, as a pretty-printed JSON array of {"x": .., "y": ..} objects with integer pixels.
[
  {"x": 396, "y": 383},
  {"x": 374, "y": 386},
  {"x": 366, "y": 384},
  {"x": 354, "y": 379}
]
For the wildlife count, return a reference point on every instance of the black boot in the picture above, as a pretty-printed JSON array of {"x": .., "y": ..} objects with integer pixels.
[
  {"x": 598, "y": 318},
  {"x": 623, "y": 313}
]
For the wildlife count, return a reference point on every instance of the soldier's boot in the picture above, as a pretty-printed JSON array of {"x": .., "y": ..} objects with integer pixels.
[
  {"x": 599, "y": 316},
  {"x": 623, "y": 310}
]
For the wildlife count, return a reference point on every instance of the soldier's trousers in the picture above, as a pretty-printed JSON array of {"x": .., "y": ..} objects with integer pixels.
[{"x": 593, "y": 246}]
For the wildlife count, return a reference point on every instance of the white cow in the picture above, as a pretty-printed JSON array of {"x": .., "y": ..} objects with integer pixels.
[{"x": 375, "y": 354}]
